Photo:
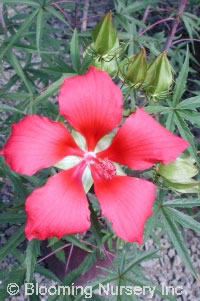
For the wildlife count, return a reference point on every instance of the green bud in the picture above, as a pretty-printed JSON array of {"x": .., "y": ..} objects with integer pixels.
[
  {"x": 179, "y": 174},
  {"x": 192, "y": 186},
  {"x": 180, "y": 170},
  {"x": 107, "y": 62},
  {"x": 137, "y": 69},
  {"x": 159, "y": 78},
  {"x": 104, "y": 35}
]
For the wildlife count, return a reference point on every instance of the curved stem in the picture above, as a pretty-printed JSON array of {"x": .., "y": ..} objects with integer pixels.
[
  {"x": 54, "y": 252},
  {"x": 85, "y": 15},
  {"x": 177, "y": 20},
  {"x": 185, "y": 40},
  {"x": 145, "y": 17},
  {"x": 154, "y": 24},
  {"x": 69, "y": 257}
]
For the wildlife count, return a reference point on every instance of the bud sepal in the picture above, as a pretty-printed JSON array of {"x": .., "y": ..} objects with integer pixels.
[{"x": 159, "y": 78}]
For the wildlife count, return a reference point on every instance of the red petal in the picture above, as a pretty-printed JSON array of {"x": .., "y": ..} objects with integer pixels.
[
  {"x": 142, "y": 142},
  {"x": 92, "y": 103},
  {"x": 127, "y": 203},
  {"x": 58, "y": 208},
  {"x": 37, "y": 142}
]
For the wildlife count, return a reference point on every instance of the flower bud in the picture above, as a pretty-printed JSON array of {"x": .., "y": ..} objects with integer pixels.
[
  {"x": 179, "y": 174},
  {"x": 107, "y": 62},
  {"x": 104, "y": 35},
  {"x": 137, "y": 69},
  {"x": 159, "y": 78}
]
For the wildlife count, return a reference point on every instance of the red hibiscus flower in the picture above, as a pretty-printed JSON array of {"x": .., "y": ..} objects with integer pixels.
[{"x": 92, "y": 104}]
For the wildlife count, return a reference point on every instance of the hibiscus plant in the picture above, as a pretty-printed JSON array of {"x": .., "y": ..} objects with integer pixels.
[{"x": 99, "y": 156}]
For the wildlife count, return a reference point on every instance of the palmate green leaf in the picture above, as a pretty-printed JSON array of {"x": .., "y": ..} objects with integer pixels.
[
  {"x": 16, "y": 275},
  {"x": 190, "y": 103},
  {"x": 31, "y": 49},
  {"x": 187, "y": 24},
  {"x": 75, "y": 52},
  {"x": 136, "y": 22},
  {"x": 28, "y": 2},
  {"x": 52, "y": 241},
  {"x": 151, "y": 223},
  {"x": 51, "y": 90},
  {"x": 184, "y": 219},
  {"x": 59, "y": 63},
  {"x": 16, "y": 183},
  {"x": 60, "y": 254},
  {"x": 177, "y": 240},
  {"x": 45, "y": 78},
  {"x": 46, "y": 272},
  {"x": 119, "y": 5},
  {"x": 137, "y": 6},
  {"x": 76, "y": 242},
  {"x": 86, "y": 62},
  {"x": 32, "y": 252},
  {"x": 56, "y": 64},
  {"x": 122, "y": 261},
  {"x": 14, "y": 96},
  {"x": 157, "y": 109},
  {"x": 170, "y": 118},
  {"x": 56, "y": 13},
  {"x": 139, "y": 259},
  {"x": 81, "y": 269},
  {"x": 34, "y": 180},
  {"x": 16, "y": 238},
  {"x": 191, "y": 23},
  {"x": 183, "y": 203},
  {"x": 25, "y": 25},
  {"x": 170, "y": 121},
  {"x": 181, "y": 81},
  {"x": 191, "y": 116},
  {"x": 12, "y": 217},
  {"x": 186, "y": 134},
  {"x": 18, "y": 255},
  {"x": 142, "y": 282},
  {"x": 4, "y": 108},
  {"x": 18, "y": 69},
  {"x": 39, "y": 28},
  {"x": 51, "y": 71},
  {"x": 119, "y": 19},
  {"x": 9, "y": 84}
]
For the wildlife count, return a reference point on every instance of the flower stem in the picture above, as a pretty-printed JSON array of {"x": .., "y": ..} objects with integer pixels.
[
  {"x": 95, "y": 225},
  {"x": 176, "y": 22}
]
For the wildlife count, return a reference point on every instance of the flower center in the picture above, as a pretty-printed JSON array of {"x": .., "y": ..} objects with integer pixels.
[
  {"x": 89, "y": 157},
  {"x": 105, "y": 168}
]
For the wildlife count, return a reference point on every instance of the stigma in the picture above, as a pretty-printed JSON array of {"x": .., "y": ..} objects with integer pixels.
[{"x": 105, "y": 168}]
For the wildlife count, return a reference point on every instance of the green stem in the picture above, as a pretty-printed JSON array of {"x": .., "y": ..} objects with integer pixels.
[{"x": 95, "y": 225}]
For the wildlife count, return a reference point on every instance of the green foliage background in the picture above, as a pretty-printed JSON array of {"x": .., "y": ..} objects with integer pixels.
[{"x": 38, "y": 57}]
